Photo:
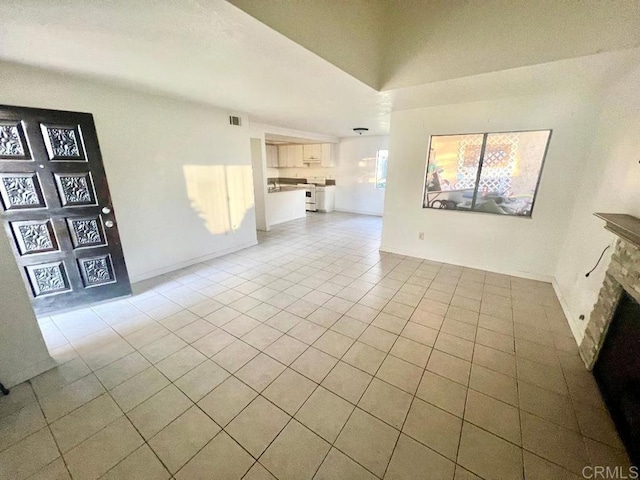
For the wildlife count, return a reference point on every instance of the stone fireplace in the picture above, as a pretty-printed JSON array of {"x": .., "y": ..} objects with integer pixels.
[
  {"x": 622, "y": 275},
  {"x": 611, "y": 345}
]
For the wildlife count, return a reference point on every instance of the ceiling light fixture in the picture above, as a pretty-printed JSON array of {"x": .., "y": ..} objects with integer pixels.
[{"x": 360, "y": 130}]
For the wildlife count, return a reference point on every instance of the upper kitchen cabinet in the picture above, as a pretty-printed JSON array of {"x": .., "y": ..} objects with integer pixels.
[
  {"x": 282, "y": 156},
  {"x": 294, "y": 156},
  {"x": 290, "y": 156},
  {"x": 319, "y": 155},
  {"x": 312, "y": 153},
  {"x": 297, "y": 156},
  {"x": 272, "y": 156}
]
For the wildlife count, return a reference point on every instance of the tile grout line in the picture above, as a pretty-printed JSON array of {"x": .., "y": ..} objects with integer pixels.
[
  {"x": 48, "y": 426},
  {"x": 522, "y": 450},
  {"x": 466, "y": 399},
  {"x": 360, "y": 398},
  {"x": 387, "y": 353}
]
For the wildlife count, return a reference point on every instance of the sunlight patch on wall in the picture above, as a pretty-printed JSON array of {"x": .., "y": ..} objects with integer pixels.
[
  {"x": 366, "y": 170},
  {"x": 221, "y": 195}
]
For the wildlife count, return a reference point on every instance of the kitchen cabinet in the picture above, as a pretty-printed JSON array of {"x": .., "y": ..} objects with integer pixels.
[
  {"x": 282, "y": 156},
  {"x": 296, "y": 156},
  {"x": 319, "y": 154},
  {"x": 290, "y": 156},
  {"x": 326, "y": 198},
  {"x": 312, "y": 153},
  {"x": 300, "y": 156},
  {"x": 272, "y": 156}
]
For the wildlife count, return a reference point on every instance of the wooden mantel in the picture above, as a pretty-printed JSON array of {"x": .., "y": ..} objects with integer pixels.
[{"x": 625, "y": 226}]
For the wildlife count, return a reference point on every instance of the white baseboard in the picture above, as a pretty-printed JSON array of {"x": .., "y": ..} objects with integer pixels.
[
  {"x": 359, "y": 212},
  {"x": 578, "y": 333},
  {"x": 513, "y": 273},
  {"x": 280, "y": 222},
  {"x": 187, "y": 263}
]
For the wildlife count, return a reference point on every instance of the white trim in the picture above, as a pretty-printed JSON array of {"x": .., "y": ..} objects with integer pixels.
[
  {"x": 358, "y": 212},
  {"x": 513, "y": 273},
  {"x": 187, "y": 263},
  {"x": 285, "y": 221},
  {"x": 578, "y": 333}
]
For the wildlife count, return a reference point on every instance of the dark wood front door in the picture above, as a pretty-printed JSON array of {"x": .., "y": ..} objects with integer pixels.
[{"x": 56, "y": 209}]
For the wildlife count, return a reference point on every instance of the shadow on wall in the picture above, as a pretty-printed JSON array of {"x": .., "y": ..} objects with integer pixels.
[{"x": 221, "y": 195}]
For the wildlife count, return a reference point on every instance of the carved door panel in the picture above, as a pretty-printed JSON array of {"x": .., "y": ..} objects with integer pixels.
[{"x": 56, "y": 209}]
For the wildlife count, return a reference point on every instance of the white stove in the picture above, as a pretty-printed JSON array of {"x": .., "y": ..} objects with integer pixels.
[
  {"x": 320, "y": 196},
  {"x": 310, "y": 190}
]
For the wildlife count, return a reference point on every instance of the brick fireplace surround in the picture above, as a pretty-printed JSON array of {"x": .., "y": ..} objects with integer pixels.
[{"x": 622, "y": 275}]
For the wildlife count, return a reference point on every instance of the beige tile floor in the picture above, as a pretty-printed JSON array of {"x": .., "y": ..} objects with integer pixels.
[{"x": 312, "y": 355}]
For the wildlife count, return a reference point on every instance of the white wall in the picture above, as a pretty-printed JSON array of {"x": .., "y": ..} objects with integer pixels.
[
  {"x": 170, "y": 165},
  {"x": 610, "y": 183},
  {"x": 23, "y": 353},
  {"x": 355, "y": 179},
  {"x": 258, "y": 164},
  {"x": 518, "y": 246}
]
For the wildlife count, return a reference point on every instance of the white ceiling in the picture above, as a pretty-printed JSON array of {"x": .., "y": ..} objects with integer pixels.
[
  {"x": 391, "y": 44},
  {"x": 204, "y": 51},
  {"x": 347, "y": 33},
  {"x": 214, "y": 53}
]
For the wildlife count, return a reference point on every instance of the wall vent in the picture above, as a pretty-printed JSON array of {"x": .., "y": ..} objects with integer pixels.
[{"x": 235, "y": 120}]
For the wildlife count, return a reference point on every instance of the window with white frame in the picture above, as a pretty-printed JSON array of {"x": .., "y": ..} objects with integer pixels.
[{"x": 486, "y": 172}]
